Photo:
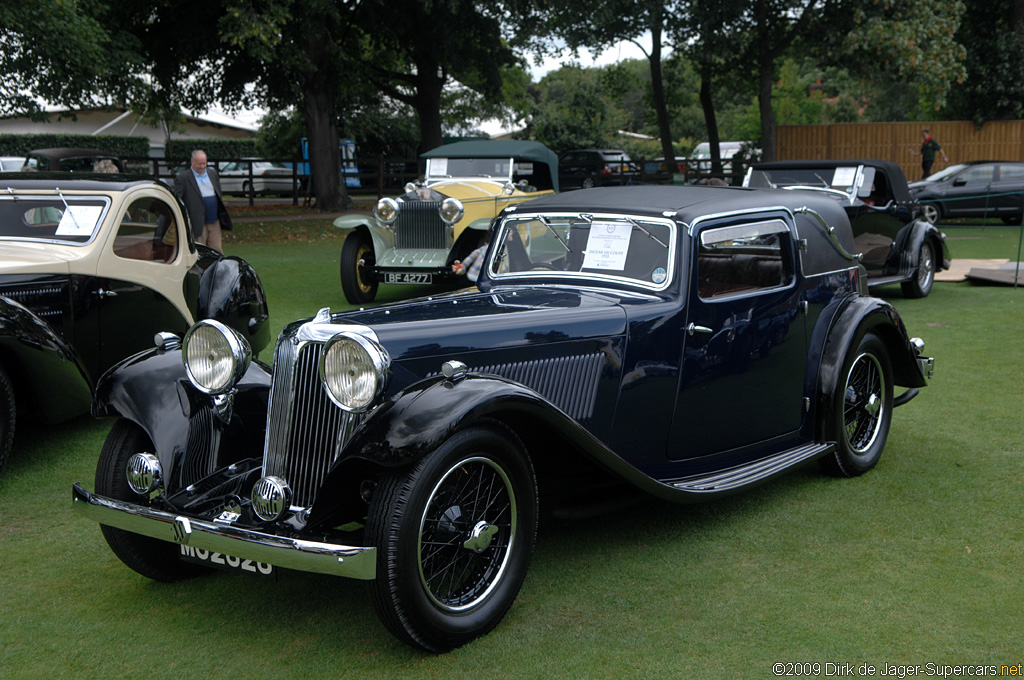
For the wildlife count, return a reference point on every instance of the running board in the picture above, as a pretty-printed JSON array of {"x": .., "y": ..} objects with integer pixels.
[{"x": 737, "y": 477}]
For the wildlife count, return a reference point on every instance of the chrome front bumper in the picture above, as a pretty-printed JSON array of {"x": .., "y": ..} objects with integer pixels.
[{"x": 288, "y": 553}]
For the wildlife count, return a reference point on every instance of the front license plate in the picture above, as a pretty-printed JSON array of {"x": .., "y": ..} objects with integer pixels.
[
  {"x": 226, "y": 562},
  {"x": 392, "y": 277}
]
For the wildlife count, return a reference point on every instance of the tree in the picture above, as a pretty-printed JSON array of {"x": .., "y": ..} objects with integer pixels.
[
  {"x": 573, "y": 111},
  {"x": 65, "y": 54},
  {"x": 417, "y": 48}
]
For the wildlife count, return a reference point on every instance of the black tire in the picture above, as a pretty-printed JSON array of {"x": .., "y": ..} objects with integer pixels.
[
  {"x": 358, "y": 281},
  {"x": 932, "y": 212},
  {"x": 863, "y": 409},
  {"x": 450, "y": 559},
  {"x": 924, "y": 277},
  {"x": 150, "y": 557},
  {"x": 8, "y": 417}
]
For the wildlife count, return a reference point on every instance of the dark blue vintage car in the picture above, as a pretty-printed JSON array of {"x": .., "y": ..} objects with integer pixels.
[{"x": 689, "y": 341}]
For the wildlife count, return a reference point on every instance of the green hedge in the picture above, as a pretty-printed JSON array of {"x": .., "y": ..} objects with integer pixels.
[
  {"x": 125, "y": 147},
  {"x": 218, "y": 149}
]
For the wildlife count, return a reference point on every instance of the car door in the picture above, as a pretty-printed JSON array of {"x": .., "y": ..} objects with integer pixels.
[
  {"x": 1007, "y": 191},
  {"x": 744, "y": 358},
  {"x": 140, "y": 279},
  {"x": 967, "y": 192}
]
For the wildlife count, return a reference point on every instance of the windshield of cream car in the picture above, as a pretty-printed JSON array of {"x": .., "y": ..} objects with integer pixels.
[
  {"x": 69, "y": 220},
  {"x": 639, "y": 251},
  {"x": 497, "y": 168}
]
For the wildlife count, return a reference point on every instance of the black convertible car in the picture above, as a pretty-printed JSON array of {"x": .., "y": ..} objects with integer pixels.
[
  {"x": 687, "y": 341},
  {"x": 890, "y": 232}
]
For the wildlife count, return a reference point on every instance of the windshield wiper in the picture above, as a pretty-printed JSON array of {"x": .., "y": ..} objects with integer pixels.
[{"x": 649, "y": 234}]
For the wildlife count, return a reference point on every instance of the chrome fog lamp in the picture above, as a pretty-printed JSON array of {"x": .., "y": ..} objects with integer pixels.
[
  {"x": 410, "y": 187},
  {"x": 451, "y": 210},
  {"x": 509, "y": 188},
  {"x": 144, "y": 473},
  {"x": 386, "y": 210},
  {"x": 215, "y": 356},
  {"x": 352, "y": 368},
  {"x": 271, "y": 498}
]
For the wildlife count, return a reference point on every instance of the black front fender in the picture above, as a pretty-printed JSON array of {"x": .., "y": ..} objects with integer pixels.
[
  {"x": 45, "y": 368},
  {"x": 152, "y": 390},
  {"x": 230, "y": 291}
]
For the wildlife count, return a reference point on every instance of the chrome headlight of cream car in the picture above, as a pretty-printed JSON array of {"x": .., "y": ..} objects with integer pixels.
[
  {"x": 386, "y": 210},
  {"x": 215, "y": 356},
  {"x": 451, "y": 210},
  {"x": 353, "y": 369}
]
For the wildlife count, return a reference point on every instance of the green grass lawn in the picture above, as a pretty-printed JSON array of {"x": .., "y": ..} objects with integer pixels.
[{"x": 916, "y": 562}]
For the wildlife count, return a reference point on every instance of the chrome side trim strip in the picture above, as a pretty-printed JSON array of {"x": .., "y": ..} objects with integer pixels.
[{"x": 289, "y": 553}]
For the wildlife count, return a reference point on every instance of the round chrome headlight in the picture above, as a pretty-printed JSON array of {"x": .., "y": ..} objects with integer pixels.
[
  {"x": 352, "y": 368},
  {"x": 386, "y": 210},
  {"x": 451, "y": 210},
  {"x": 410, "y": 187},
  {"x": 215, "y": 356},
  {"x": 508, "y": 189}
]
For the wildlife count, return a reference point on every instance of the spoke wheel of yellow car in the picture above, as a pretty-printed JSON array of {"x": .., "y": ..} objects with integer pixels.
[
  {"x": 358, "y": 281},
  {"x": 924, "y": 277},
  {"x": 150, "y": 557},
  {"x": 455, "y": 536},
  {"x": 8, "y": 415},
  {"x": 863, "y": 409}
]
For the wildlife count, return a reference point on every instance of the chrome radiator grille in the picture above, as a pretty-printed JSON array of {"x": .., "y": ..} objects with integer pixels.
[
  {"x": 420, "y": 226},
  {"x": 305, "y": 430}
]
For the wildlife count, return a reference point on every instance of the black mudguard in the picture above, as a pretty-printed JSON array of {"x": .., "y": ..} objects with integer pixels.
[
  {"x": 43, "y": 366},
  {"x": 857, "y": 317},
  {"x": 230, "y": 291},
  {"x": 152, "y": 390}
]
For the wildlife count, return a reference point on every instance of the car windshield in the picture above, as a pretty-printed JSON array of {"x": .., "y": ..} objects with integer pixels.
[
  {"x": 441, "y": 168},
  {"x": 51, "y": 219},
  {"x": 945, "y": 173},
  {"x": 841, "y": 178},
  {"x": 613, "y": 248}
]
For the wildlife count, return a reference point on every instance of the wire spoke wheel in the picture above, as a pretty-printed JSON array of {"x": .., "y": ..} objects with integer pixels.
[
  {"x": 466, "y": 533},
  {"x": 863, "y": 411}
]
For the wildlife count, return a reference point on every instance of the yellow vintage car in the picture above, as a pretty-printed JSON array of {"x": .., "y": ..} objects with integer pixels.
[{"x": 441, "y": 219}]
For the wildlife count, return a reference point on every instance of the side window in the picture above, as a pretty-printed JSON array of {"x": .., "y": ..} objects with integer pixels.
[
  {"x": 742, "y": 259},
  {"x": 147, "y": 232},
  {"x": 1011, "y": 172},
  {"x": 978, "y": 175}
]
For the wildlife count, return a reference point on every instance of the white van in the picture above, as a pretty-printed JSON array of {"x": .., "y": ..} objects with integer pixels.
[{"x": 702, "y": 154}]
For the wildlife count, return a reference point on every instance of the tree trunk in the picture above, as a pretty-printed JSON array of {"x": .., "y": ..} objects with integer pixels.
[
  {"x": 658, "y": 95},
  {"x": 427, "y": 102},
  {"x": 324, "y": 155},
  {"x": 764, "y": 100},
  {"x": 710, "y": 119}
]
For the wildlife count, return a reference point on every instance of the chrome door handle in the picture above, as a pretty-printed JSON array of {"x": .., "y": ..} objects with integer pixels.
[
  {"x": 106, "y": 293},
  {"x": 694, "y": 328}
]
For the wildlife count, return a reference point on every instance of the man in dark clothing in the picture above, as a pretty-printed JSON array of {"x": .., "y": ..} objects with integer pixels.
[
  {"x": 927, "y": 153},
  {"x": 198, "y": 187}
]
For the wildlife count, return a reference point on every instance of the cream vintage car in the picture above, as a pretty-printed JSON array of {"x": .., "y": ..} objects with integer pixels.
[
  {"x": 92, "y": 268},
  {"x": 440, "y": 220}
]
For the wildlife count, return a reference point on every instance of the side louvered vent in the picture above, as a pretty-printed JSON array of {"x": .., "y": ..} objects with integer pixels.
[
  {"x": 48, "y": 301},
  {"x": 570, "y": 383}
]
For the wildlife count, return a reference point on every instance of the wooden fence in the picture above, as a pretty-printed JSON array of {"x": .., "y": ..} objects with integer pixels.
[{"x": 961, "y": 140}]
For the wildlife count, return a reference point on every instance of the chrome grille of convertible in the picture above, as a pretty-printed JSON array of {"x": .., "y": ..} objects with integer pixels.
[
  {"x": 305, "y": 430},
  {"x": 570, "y": 383},
  {"x": 419, "y": 226}
]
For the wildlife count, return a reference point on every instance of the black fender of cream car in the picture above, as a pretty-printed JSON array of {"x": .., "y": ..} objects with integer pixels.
[{"x": 36, "y": 358}]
